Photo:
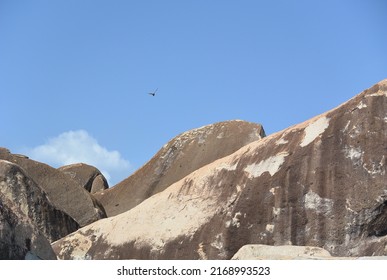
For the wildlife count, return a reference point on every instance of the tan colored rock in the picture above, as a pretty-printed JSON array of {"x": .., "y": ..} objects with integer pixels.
[
  {"x": 64, "y": 193},
  {"x": 321, "y": 183},
  {"x": 179, "y": 157},
  {"x": 28, "y": 221},
  {"x": 284, "y": 252},
  {"x": 289, "y": 252}
]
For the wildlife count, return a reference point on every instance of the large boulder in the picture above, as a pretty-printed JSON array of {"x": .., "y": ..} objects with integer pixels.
[
  {"x": 178, "y": 158},
  {"x": 64, "y": 193},
  {"x": 320, "y": 183},
  {"x": 89, "y": 177},
  {"x": 28, "y": 221}
]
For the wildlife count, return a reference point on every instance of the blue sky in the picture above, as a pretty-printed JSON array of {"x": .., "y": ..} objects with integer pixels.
[{"x": 74, "y": 74}]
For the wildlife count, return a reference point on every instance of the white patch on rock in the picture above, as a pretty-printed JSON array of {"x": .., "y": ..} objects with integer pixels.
[
  {"x": 353, "y": 153},
  {"x": 375, "y": 168},
  {"x": 218, "y": 244},
  {"x": 201, "y": 253},
  {"x": 378, "y": 93},
  {"x": 361, "y": 105},
  {"x": 281, "y": 141},
  {"x": 227, "y": 166},
  {"x": 321, "y": 205},
  {"x": 235, "y": 221},
  {"x": 270, "y": 228},
  {"x": 271, "y": 165},
  {"x": 276, "y": 211},
  {"x": 313, "y": 130},
  {"x": 346, "y": 126}
]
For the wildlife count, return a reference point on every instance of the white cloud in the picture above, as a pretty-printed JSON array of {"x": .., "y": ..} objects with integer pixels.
[{"x": 78, "y": 146}]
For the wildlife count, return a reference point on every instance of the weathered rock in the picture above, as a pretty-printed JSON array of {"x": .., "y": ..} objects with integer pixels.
[
  {"x": 290, "y": 252},
  {"x": 320, "y": 183},
  {"x": 179, "y": 157},
  {"x": 285, "y": 252},
  {"x": 89, "y": 177},
  {"x": 63, "y": 192},
  {"x": 28, "y": 222}
]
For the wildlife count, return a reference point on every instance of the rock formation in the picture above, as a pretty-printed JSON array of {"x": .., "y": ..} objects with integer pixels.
[
  {"x": 285, "y": 252},
  {"x": 316, "y": 190},
  {"x": 64, "y": 193},
  {"x": 178, "y": 158},
  {"x": 321, "y": 183},
  {"x": 291, "y": 252},
  {"x": 28, "y": 222},
  {"x": 89, "y": 177}
]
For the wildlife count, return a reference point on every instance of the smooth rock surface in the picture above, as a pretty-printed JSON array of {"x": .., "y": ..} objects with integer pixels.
[
  {"x": 179, "y": 157},
  {"x": 89, "y": 177}
]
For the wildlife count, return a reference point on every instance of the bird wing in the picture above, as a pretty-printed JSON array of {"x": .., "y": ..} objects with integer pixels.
[{"x": 153, "y": 93}]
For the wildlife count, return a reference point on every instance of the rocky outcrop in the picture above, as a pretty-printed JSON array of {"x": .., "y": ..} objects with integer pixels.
[
  {"x": 290, "y": 252},
  {"x": 285, "y": 252},
  {"x": 28, "y": 221},
  {"x": 65, "y": 193},
  {"x": 178, "y": 158},
  {"x": 89, "y": 177},
  {"x": 321, "y": 183}
]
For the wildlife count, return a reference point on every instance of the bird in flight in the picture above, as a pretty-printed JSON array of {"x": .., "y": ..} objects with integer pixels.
[{"x": 153, "y": 93}]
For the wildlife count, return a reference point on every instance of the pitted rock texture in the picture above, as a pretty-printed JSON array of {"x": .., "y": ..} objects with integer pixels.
[
  {"x": 89, "y": 177},
  {"x": 28, "y": 221},
  {"x": 179, "y": 157},
  {"x": 64, "y": 193},
  {"x": 321, "y": 183}
]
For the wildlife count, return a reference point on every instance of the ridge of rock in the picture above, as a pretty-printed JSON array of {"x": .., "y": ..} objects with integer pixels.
[
  {"x": 89, "y": 177},
  {"x": 321, "y": 183},
  {"x": 64, "y": 193},
  {"x": 179, "y": 157},
  {"x": 28, "y": 221}
]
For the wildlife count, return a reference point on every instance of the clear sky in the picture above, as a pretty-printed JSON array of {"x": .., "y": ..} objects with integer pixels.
[{"x": 74, "y": 74}]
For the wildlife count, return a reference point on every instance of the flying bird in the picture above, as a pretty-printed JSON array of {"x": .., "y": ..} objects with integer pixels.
[{"x": 153, "y": 93}]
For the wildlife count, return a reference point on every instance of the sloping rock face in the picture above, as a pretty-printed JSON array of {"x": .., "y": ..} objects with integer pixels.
[
  {"x": 181, "y": 156},
  {"x": 63, "y": 192},
  {"x": 28, "y": 222},
  {"x": 89, "y": 177},
  {"x": 285, "y": 252},
  {"x": 320, "y": 183}
]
